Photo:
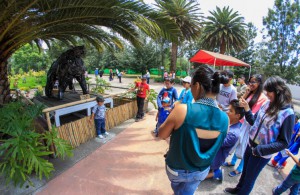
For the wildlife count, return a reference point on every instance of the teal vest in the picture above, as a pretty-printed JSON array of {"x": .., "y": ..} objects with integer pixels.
[{"x": 184, "y": 152}]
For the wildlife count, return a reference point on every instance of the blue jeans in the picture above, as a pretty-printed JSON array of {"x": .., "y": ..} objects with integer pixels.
[
  {"x": 185, "y": 182},
  {"x": 241, "y": 165},
  {"x": 100, "y": 126},
  {"x": 252, "y": 168},
  {"x": 286, "y": 184}
]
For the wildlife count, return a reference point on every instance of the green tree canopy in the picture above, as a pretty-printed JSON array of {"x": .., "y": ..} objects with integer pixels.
[
  {"x": 224, "y": 30},
  {"x": 283, "y": 39}
]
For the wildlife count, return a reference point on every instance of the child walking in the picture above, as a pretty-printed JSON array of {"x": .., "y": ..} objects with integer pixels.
[
  {"x": 98, "y": 115},
  {"x": 293, "y": 179},
  {"x": 162, "y": 114}
]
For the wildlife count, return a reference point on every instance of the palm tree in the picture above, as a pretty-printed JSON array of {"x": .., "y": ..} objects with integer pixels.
[
  {"x": 37, "y": 21},
  {"x": 186, "y": 14},
  {"x": 225, "y": 30}
]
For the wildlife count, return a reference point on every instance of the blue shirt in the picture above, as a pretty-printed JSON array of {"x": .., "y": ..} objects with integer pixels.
[
  {"x": 171, "y": 93},
  {"x": 96, "y": 72},
  {"x": 163, "y": 114},
  {"x": 186, "y": 96},
  {"x": 230, "y": 140},
  {"x": 99, "y": 111}
]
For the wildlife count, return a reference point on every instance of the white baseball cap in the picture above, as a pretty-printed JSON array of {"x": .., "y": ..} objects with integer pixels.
[{"x": 187, "y": 79}]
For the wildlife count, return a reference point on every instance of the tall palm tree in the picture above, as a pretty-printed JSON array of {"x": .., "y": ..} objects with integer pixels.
[
  {"x": 186, "y": 14},
  {"x": 225, "y": 30},
  {"x": 28, "y": 21}
]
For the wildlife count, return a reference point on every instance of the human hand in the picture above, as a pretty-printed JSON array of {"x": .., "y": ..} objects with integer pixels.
[
  {"x": 287, "y": 152},
  {"x": 243, "y": 103},
  {"x": 297, "y": 136}
]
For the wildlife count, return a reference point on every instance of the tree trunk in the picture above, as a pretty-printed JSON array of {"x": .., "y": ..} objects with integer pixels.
[
  {"x": 173, "y": 57},
  {"x": 4, "y": 84},
  {"x": 222, "y": 51}
]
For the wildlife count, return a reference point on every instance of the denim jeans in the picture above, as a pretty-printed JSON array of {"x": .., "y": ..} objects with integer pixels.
[
  {"x": 100, "y": 126},
  {"x": 241, "y": 165},
  {"x": 185, "y": 182},
  {"x": 252, "y": 168},
  {"x": 286, "y": 184}
]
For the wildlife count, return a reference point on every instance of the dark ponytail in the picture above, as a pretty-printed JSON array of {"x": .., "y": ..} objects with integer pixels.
[{"x": 209, "y": 79}]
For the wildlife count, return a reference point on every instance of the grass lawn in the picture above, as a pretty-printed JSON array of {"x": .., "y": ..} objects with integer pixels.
[{"x": 31, "y": 82}]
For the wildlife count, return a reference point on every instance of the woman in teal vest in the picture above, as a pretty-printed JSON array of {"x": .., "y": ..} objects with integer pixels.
[{"x": 197, "y": 132}]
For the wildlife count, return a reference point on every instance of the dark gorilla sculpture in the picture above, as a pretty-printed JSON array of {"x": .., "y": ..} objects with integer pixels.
[{"x": 68, "y": 66}]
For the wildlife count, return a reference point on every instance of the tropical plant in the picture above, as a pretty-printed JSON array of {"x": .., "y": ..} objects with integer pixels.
[
  {"x": 132, "y": 94},
  {"x": 101, "y": 86},
  {"x": 224, "y": 30},
  {"x": 22, "y": 150},
  {"x": 41, "y": 21},
  {"x": 186, "y": 14}
]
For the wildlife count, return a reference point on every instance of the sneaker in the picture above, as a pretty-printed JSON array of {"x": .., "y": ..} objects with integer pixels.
[
  {"x": 106, "y": 133},
  {"x": 100, "y": 136},
  {"x": 219, "y": 175},
  {"x": 272, "y": 163},
  {"x": 279, "y": 167},
  {"x": 137, "y": 120},
  {"x": 231, "y": 190},
  {"x": 234, "y": 173},
  {"x": 227, "y": 164}
]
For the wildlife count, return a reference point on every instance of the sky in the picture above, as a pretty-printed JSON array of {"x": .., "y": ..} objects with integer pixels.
[{"x": 252, "y": 10}]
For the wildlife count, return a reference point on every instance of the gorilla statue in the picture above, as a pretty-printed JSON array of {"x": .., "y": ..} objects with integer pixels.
[{"x": 69, "y": 65}]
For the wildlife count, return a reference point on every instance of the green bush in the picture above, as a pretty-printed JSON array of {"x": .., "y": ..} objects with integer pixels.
[
  {"x": 161, "y": 80},
  {"x": 22, "y": 151}
]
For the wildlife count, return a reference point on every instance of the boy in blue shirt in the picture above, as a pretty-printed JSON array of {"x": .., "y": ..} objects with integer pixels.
[
  {"x": 168, "y": 91},
  {"x": 98, "y": 115},
  {"x": 162, "y": 114},
  {"x": 235, "y": 114},
  {"x": 186, "y": 94}
]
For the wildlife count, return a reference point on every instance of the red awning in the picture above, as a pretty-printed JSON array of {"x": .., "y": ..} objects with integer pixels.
[{"x": 207, "y": 57}]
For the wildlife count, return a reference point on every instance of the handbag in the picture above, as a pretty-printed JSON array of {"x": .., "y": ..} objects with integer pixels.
[{"x": 252, "y": 142}]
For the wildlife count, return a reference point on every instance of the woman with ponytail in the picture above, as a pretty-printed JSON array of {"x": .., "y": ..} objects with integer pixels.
[
  {"x": 270, "y": 132},
  {"x": 197, "y": 132}
]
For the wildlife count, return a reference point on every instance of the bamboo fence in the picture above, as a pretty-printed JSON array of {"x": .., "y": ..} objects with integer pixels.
[{"x": 80, "y": 131}]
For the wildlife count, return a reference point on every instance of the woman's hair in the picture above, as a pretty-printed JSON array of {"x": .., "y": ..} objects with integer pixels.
[
  {"x": 209, "y": 79},
  {"x": 258, "y": 91},
  {"x": 282, "y": 94}
]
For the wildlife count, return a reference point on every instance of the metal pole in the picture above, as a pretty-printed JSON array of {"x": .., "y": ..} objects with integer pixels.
[{"x": 215, "y": 63}]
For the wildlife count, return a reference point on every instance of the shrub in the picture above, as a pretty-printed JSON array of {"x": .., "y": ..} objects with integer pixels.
[{"x": 22, "y": 150}]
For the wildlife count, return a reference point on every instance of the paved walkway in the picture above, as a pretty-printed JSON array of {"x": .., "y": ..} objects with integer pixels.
[{"x": 133, "y": 163}]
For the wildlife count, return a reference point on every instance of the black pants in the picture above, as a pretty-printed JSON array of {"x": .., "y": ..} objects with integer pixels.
[
  {"x": 140, "y": 105},
  {"x": 120, "y": 79}
]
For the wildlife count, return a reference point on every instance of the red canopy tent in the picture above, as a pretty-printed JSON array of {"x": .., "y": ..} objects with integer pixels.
[{"x": 216, "y": 59}]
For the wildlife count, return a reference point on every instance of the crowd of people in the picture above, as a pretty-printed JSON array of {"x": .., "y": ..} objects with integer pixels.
[
  {"x": 211, "y": 118},
  {"x": 260, "y": 122}
]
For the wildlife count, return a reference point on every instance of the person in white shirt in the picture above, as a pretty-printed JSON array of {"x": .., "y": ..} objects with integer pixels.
[{"x": 227, "y": 91}]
